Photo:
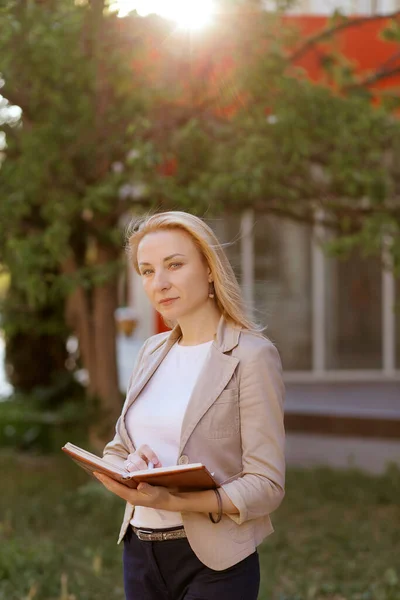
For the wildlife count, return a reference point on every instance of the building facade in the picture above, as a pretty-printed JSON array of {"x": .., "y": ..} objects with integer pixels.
[{"x": 347, "y": 7}]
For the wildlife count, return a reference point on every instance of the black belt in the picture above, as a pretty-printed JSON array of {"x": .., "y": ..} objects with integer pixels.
[{"x": 159, "y": 535}]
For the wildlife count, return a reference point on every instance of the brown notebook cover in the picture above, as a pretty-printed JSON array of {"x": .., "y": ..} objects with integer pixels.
[{"x": 190, "y": 477}]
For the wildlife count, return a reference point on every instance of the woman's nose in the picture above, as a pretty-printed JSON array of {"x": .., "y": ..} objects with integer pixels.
[{"x": 160, "y": 281}]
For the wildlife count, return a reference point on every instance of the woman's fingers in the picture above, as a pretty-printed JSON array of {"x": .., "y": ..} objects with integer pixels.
[
  {"x": 139, "y": 460},
  {"x": 135, "y": 463},
  {"x": 147, "y": 454},
  {"x": 117, "y": 488}
]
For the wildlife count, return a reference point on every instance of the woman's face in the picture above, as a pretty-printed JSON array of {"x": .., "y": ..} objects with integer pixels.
[{"x": 174, "y": 275}]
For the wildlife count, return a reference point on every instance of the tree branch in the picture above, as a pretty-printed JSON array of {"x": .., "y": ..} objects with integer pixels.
[
  {"x": 393, "y": 59},
  {"x": 371, "y": 79},
  {"x": 327, "y": 33}
]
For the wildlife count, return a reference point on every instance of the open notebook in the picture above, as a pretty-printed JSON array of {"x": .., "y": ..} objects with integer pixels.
[{"x": 190, "y": 477}]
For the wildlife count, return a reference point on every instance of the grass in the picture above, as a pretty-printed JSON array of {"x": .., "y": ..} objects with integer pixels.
[{"x": 337, "y": 535}]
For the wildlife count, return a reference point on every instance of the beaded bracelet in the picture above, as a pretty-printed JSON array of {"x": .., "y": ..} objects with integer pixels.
[{"x": 219, "y": 517}]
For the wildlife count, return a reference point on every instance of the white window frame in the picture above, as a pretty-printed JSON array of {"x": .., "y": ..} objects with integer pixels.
[
  {"x": 319, "y": 370},
  {"x": 247, "y": 223},
  {"x": 388, "y": 310}
]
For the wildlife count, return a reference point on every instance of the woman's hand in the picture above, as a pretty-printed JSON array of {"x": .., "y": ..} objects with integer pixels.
[
  {"x": 152, "y": 496},
  {"x": 140, "y": 459},
  {"x": 162, "y": 498},
  {"x": 145, "y": 494}
]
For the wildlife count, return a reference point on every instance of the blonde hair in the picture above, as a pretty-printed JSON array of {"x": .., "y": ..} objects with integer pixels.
[{"x": 228, "y": 295}]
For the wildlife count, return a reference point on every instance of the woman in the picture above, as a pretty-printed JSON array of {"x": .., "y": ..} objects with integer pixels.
[{"x": 210, "y": 391}]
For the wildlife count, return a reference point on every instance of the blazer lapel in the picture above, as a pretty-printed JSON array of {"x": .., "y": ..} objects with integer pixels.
[{"x": 215, "y": 375}]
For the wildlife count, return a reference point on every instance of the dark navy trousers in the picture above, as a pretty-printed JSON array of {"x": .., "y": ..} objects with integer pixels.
[{"x": 170, "y": 570}]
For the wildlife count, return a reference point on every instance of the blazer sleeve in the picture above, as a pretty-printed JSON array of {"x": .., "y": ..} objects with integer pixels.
[
  {"x": 260, "y": 489},
  {"x": 115, "y": 451}
]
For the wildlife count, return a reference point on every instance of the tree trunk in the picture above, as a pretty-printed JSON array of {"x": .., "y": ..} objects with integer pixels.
[
  {"x": 105, "y": 302},
  {"x": 78, "y": 318},
  {"x": 93, "y": 321},
  {"x": 97, "y": 317}
]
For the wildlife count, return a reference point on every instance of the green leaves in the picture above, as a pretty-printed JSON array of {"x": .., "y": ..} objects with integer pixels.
[
  {"x": 74, "y": 84},
  {"x": 391, "y": 33}
]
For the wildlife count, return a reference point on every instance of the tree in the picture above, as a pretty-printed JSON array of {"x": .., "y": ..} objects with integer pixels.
[{"x": 83, "y": 106}]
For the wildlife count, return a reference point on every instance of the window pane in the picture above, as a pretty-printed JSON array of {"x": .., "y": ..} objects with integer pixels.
[
  {"x": 227, "y": 229},
  {"x": 282, "y": 256},
  {"x": 354, "y": 313}
]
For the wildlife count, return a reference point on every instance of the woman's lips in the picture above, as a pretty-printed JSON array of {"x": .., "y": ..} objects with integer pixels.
[{"x": 167, "y": 301}]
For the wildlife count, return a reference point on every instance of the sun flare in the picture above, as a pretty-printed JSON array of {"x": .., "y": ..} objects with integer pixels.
[{"x": 187, "y": 14}]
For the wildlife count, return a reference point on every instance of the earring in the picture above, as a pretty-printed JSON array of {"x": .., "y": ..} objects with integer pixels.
[{"x": 211, "y": 290}]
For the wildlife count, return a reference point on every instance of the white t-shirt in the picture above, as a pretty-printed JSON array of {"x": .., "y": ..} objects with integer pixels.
[{"x": 156, "y": 416}]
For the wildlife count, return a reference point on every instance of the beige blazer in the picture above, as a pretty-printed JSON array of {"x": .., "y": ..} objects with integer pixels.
[{"x": 234, "y": 425}]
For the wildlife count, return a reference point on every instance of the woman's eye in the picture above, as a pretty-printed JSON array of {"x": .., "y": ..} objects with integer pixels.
[
  {"x": 175, "y": 265},
  {"x": 146, "y": 272}
]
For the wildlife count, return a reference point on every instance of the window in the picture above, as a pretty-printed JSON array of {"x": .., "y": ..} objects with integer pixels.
[
  {"x": 227, "y": 229},
  {"x": 282, "y": 287},
  {"x": 354, "y": 313}
]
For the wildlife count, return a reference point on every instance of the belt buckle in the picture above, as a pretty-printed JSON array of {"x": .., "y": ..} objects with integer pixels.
[{"x": 143, "y": 534}]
